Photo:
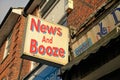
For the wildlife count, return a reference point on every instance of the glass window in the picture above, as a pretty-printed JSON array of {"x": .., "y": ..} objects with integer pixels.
[
  {"x": 33, "y": 65},
  {"x": 63, "y": 20},
  {"x": 7, "y": 47},
  {"x": 66, "y": 2},
  {"x": 4, "y": 78}
]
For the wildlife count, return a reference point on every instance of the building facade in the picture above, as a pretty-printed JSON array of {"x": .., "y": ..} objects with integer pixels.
[
  {"x": 93, "y": 47},
  {"x": 12, "y": 67},
  {"x": 94, "y": 41}
]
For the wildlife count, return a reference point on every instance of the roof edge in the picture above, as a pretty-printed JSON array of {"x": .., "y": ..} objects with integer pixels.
[{"x": 9, "y": 11}]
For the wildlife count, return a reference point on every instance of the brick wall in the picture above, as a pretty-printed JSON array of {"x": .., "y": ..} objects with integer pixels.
[
  {"x": 13, "y": 65},
  {"x": 82, "y": 10},
  {"x": 2, "y": 51}
]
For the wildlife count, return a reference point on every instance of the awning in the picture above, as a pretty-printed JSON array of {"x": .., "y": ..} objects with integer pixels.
[{"x": 102, "y": 42}]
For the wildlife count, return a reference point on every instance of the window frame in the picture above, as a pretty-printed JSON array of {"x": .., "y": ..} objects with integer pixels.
[{"x": 7, "y": 47}]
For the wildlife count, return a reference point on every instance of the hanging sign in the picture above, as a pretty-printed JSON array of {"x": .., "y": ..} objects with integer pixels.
[{"x": 45, "y": 42}]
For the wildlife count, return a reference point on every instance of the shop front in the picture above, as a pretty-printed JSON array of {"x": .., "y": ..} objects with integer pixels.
[
  {"x": 48, "y": 73},
  {"x": 97, "y": 52}
]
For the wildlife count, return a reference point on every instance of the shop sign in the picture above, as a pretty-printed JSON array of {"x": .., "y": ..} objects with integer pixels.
[
  {"x": 49, "y": 73},
  {"x": 45, "y": 42},
  {"x": 97, "y": 32},
  {"x": 84, "y": 46}
]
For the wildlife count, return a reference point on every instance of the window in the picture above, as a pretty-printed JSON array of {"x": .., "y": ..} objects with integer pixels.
[
  {"x": 47, "y": 7},
  {"x": 66, "y": 2},
  {"x": 7, "y": 47},
  {"x": 4, "y": 78},
  {"x": 63, "y": 20},
  {"x": 33, "y": 65}
]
